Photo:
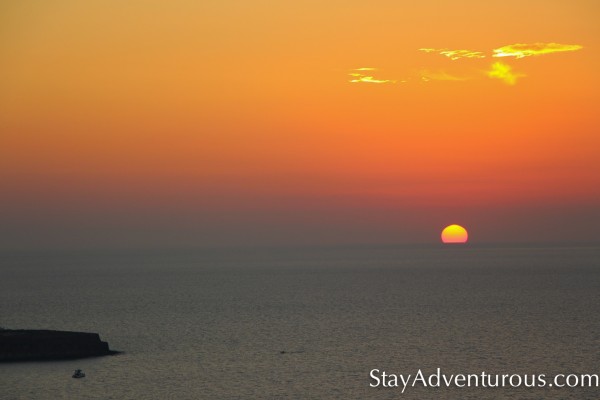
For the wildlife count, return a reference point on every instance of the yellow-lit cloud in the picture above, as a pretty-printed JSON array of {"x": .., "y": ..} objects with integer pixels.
[
  {"x": 504, "y": 72},
  {"x": 498, "y": 70},
  {"x": 369, "y": 79},
  {"x": 440, "y": 76},
  {"x": 455, "y": 54},
  {"x": 520, "y": 50},
  {"x": 362, "y": 78}
]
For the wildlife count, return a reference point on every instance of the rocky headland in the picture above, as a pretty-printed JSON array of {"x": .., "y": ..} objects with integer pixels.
[{"x": 42, "y": 345}]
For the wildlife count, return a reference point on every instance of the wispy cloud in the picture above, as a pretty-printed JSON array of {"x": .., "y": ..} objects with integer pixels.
[
  {"x": 440, "y": 76},
  {"x": 359, "y": 77},
  {"x": 520, "y": 50},
  {"x": 498, "y": 70},
  {"x": 455, "y": 54},
  {"x": 504, "y": 72}
]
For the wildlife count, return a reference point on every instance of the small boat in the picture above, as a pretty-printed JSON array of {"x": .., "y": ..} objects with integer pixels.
[{"x": 78, "y": 374}]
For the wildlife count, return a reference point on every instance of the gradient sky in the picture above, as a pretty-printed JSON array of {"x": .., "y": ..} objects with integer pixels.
[{"x": 167, "y": 123}]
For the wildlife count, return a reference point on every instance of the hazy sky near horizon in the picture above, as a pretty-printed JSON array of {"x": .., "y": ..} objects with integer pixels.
[{"x": 232, "y": 122}]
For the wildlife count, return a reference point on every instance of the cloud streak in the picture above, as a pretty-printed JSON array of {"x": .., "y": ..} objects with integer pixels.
[
  {"x": 440, "y": 76},
  {"x": 359, "y": 77},
  {"x": 520, "y": 50},
  {"x": 455, "y": 54},
  {"x": 498, "y": 70}
]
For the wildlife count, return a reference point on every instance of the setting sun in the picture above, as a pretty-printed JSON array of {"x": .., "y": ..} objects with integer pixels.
[{"x": 454, "y": 234}]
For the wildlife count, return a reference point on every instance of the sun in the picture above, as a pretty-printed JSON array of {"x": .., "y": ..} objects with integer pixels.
[{"x": 454, "y": 234}]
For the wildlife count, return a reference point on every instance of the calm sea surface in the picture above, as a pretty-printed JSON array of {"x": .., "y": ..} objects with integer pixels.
[{"x": 213, "y": 324}]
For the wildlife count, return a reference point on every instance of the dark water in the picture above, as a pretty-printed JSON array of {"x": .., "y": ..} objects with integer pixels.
[{"x": 213, "y": 324}]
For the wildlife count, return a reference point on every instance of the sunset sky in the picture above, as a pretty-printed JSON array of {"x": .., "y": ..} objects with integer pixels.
[{"x": 222, "y": 122}]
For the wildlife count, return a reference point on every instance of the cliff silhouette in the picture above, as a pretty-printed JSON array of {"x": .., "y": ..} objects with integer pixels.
[{"x": 41, "y": 345}]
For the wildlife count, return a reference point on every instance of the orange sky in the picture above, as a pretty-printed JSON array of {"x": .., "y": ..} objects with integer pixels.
[{"x": 236, "y": 122}]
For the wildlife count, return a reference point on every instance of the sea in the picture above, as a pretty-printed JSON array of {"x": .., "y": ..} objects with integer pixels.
[{"x": 307, "y": 322}]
